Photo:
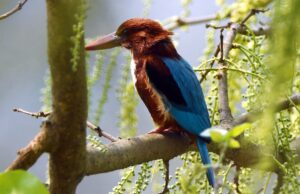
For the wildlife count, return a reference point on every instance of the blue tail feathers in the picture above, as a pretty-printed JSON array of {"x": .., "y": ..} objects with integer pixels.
[{"x": 206, "y": 161}]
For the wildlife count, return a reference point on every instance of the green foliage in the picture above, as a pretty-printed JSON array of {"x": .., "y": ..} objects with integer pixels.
[
  {"x": 46, "y": 93},
  {"x": 107, "y": 85},
  {"x": 95, "y": 74},
  {"x": 78, "y": 30},
  {"x": 236, "y": 131},
  {"x": 147, "y": 6},
  {"x": 185, "y": 5},
  {"x": 242, "y": 7},
  {"x": 211, "y": 89},
  {"x": 20, "y": 182},
  {"x": 128, "y": 128},
  {"x": 128, "y": 117},
  {"x": 143, "y": 179},
  {"x": 128, "y": 101},
  {"x": 158, "y": 173},
  {"x": 283, "y": 139},
  {"x": 228, "y": 139},
  {"x": 191, "y": 176},
  {"x": 126, "y": 180},
  {"x": 246, "y": 180},
  {"x": 127, "y": 183},
  {"x": 96, "y": 142}
]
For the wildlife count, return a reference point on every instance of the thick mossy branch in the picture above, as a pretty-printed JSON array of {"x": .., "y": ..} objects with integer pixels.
[
  {"x": 69, "y": 94},
  {"x": 128, "y": 152},
  {"x": 125, "y": 153}
]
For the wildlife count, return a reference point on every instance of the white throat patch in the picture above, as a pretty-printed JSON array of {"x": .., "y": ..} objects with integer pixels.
[{"x": 132, "y": 69}]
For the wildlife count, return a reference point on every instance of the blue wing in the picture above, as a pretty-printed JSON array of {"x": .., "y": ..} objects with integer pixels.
[
  {"x": 181, "y": 92},
  {"x": 194, "y": 117}
]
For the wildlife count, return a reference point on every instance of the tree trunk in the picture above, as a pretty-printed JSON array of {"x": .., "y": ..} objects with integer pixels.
[{"x": 69, "y": 93}]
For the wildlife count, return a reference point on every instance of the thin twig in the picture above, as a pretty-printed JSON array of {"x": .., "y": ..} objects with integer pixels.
[
  {"x": 279, "y": 183},
  {"x": 252, "y": 13},
  {"x": 100, "y": 132},
  {"x": 34, "y": 114},
  {"x": 14, "y": 10},
  {"x": 178, "y": 21},
  {"x": 95, "y": 128},
  {"x": 221, "y": 43},
  {"x": 264, "y": 191},
  {"x": 211, "y": 64},
  {"x": 166, "y": 189},
  {"x": 218, "y": 27},
  {"x": 236, "y": 179},
  {"x": 231, "y": 69}
]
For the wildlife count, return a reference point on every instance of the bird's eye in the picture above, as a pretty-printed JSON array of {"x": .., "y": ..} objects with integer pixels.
[{"x": 125, "y": 31}]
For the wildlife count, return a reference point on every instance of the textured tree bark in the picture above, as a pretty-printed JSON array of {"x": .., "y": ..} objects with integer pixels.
[
  {"x": 69, "y": 94},
  {"x": 148, "y": 147}
]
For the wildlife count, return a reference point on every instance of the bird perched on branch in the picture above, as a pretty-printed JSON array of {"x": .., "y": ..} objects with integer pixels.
[{"x": 165, "y": 82}]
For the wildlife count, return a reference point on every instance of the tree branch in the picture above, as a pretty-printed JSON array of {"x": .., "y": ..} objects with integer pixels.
[
  {"x": 211, "y": 64},
  {"x": 167, "y": 174},
  {"x": 279, "y": 183},
  {"x": 44, "y": 141},
  {"x": 100, "y": 132},
  {"x": 129, "y": 152},
  {"x": 90, "y": 125},
  {"x": 225, "y": 112},
  {"x": 179, "y": 21},
  {"x": 14, "y": 10},
  {"x": 33, "y": 114},
  {"x": 252, "y": 116},
  {"x": 252, "y": 13}
]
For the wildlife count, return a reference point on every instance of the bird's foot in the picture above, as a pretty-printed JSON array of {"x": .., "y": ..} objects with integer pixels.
[
  {"x": 174, "y": 130},
  {"x": 168, "y": 130},
  {"x": 157, "y": 130}
]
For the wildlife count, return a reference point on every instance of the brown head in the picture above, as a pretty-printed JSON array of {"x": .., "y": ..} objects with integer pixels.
[{"x": 137, "y": 34}]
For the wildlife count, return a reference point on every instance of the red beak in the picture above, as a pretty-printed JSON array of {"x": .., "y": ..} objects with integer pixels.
[{"x": 105, "y": 42}]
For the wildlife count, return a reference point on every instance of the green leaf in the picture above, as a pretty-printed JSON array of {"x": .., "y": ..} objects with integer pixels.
[
  {"x": 234, "y": 143},
  {"x": 20, "y": 182},
  {"x": 216, "y": 136},
  {"x": 236, "y": 131}
]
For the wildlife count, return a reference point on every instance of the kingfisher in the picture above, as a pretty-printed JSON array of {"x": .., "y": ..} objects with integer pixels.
[{"x": 165, "y": 82}]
